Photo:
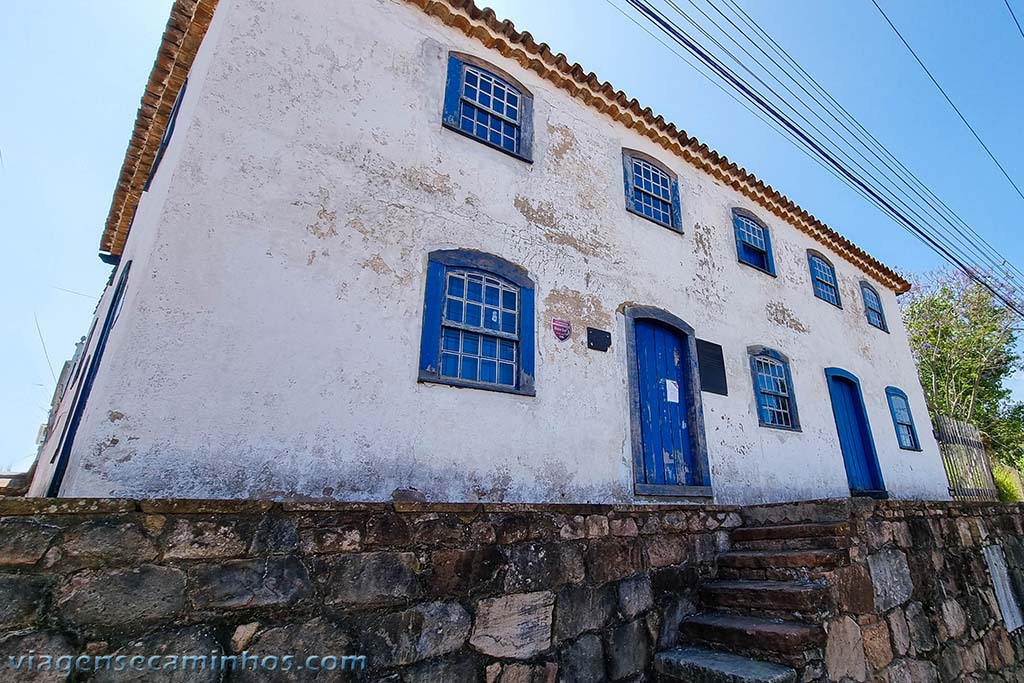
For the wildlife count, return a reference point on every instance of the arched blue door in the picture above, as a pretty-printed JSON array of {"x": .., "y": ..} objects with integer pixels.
[
  {"x": 855, "y": 440},
  {"x": 662, "y": 366}
]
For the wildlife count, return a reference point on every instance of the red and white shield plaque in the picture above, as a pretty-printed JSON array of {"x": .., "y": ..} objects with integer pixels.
[{"x": 561, "y": 328}]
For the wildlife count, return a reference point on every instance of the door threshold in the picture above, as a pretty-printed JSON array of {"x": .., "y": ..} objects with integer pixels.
[{"x": 877, "y": 494}]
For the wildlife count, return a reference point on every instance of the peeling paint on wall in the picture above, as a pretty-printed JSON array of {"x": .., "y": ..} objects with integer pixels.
[
  {"x": 777, "y": 313},
  {"x": 246, "y": 373}
]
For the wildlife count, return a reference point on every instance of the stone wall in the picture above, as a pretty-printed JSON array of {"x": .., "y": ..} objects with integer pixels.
[
  {"x": 917, "y": 601},
  {"x": 499, "y": 593},
  {"x": 486, "y": 593}
]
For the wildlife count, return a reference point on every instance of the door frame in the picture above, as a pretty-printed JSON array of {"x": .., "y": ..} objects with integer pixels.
[
  {"x": 873, "y": 462},
  {"x": 694, "y": 407}
]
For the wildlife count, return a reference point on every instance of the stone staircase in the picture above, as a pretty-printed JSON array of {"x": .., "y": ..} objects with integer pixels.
[{"x": 762, "y": 617}]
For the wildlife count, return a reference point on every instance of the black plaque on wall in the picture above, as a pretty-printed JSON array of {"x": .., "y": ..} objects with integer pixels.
[
  {"x": 599, "y": 340},
  {"x": 711, "y": 363}
]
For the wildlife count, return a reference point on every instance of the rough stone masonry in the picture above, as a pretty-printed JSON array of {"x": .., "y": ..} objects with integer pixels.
[{"x": 484, "y": 593}]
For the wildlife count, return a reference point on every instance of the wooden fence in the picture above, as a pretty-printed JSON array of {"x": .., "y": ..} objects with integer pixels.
[{"x": 967, "y": 464}]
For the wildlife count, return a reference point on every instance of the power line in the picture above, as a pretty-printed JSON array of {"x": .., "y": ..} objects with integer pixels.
[
  {"x": 45, "y": 354},
  {"x": 931, "y": 198},
  {"x": 955, "y": 108},
  {"x": 893, "y": 189},
  {"x": 972, "y": 242},
  {"x": 888, "y": 204},
  {"x": 1014, "y": 17}
]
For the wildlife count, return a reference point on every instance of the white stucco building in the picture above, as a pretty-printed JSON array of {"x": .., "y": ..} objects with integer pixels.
[{"x": 384, "y": 244}]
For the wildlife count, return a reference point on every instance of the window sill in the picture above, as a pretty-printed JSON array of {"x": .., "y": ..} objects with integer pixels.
[
  {"x": 839, "y": 306},
  {"x": 878, "y": 328},
  {"x": 667, "y": 226},
  {"x": 673, "y": 490},
  {"x": 486, "y": 143},
  {"x": 757, "y": 268},
  {"x": 427, "y": 378},
  {"x": 912, "y": 450},
  {"x": 780, "y": 429}
]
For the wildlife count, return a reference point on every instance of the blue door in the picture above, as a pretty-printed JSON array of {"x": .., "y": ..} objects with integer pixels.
[
  {"x": 862, "y": 469},
  {"x": 662, "y": 371}
]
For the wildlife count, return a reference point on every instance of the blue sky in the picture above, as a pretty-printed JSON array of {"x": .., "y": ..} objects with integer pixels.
[{"x": 73, "y": 72}]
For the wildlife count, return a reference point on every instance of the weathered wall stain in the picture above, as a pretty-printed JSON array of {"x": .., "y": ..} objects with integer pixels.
[
  {"x": 540, "y": 213},
  {"x": 562, "y": 140},
  {"x": 325, "y": 224},
  {"x": 578, "y": 307},
  {"x": 780, "y": 315}
]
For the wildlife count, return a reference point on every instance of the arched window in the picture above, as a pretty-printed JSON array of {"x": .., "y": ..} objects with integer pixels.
[
  {"x": 823, "y": 277},
  {"x": 906, "y": 432},
  {"x": 753, "y": 241},
  {"x": 773, "y": 388},
  {"x": 873, "y": 307},
  {"x": 651, "y": 190},
  {"x": 478, "y": 328},
  {"x": 489, "y": 107}
]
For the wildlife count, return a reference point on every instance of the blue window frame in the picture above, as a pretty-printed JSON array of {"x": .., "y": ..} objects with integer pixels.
[
  {"x": 487, "y": 107},
  {"x": 478, "y": 326},
  {"x": 773, "y": 389},
  {"x": 823, "y": 277},
  {"x": 168, "y": 132},
  {"x": 873, "y": 307},
  {"x": 753, "y": 241},
  {"x": 902, "y": 420},
  {"x": 651, "y": 190}
]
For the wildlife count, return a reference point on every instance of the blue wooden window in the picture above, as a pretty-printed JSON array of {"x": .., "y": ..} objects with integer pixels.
[
  {"x": 753, "y": 242},
  {"x": 906, "y": 432},
  {"x": 478, "y": 328},
  {"x": 482, "y": 105},
  {"x": 651, "y": 191},
  {"x": 873, "y": 307},
  {"x": 168, "y": 132},
  {"x": 823, "y": 277},
  {"x": 773, "y": 387}
]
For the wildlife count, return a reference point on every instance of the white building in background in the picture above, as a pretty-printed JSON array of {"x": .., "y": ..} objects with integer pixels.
[{"x": 380, "y": 244}]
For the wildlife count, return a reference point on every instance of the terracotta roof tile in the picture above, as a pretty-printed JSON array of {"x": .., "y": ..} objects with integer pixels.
[{"x": 190, "y": 20}]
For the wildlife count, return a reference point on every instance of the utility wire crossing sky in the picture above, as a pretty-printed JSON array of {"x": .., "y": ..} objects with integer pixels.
[{"x": 836, "y": 65}]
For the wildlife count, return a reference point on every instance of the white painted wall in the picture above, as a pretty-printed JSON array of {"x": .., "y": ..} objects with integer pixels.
[{"x": 269, "y": 342}]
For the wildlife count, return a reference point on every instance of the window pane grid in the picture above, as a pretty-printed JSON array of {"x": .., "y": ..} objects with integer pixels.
[
  {"x": 479, "y": 329},
  {"x": 906, "y": 436},
  {"x": 490, "y": 109},
  {"x": 751, "y": 233},
  {"x": 773, "y": 393},
  {"x": 652, "y": 191},
  {"x": 824, "y": 280},
  {"x": 873, "y": 308}
]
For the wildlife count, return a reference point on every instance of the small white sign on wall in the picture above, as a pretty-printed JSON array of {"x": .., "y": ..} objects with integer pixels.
[
  {"x": 672, "y": 391},
  {"x": 1005, "y": 595}
]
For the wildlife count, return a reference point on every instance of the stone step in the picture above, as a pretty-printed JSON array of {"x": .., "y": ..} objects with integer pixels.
[
  {"x": 698, "y": 665},
  {"x": 816, "y": 543},
  {"x": 746, "y": 634},
  {"x": 783, "y": 559},
  {"x": 781, "y": 596},
  {"x": 789, "y": 531},
  {"x": 773, "y": 574},
  {"x": 804, "y": 512}
]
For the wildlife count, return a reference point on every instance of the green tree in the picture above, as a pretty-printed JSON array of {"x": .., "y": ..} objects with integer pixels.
[{"x": 964, "y": 343}]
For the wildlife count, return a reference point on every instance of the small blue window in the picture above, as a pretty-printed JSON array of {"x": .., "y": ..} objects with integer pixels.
[
  {"x": 477, "y": 323},
  {"x": 773, "y": 387},
  {"x": 753, "y": 242},
  {"x": 487, "y": 107},
  {"x": 651, "y": 191},
  {"x": 906, "y": 432},
  {"x": 168, "y": 132},
  {"x": 873, "y": 307},
  {"x": 823, "y": 277}
]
